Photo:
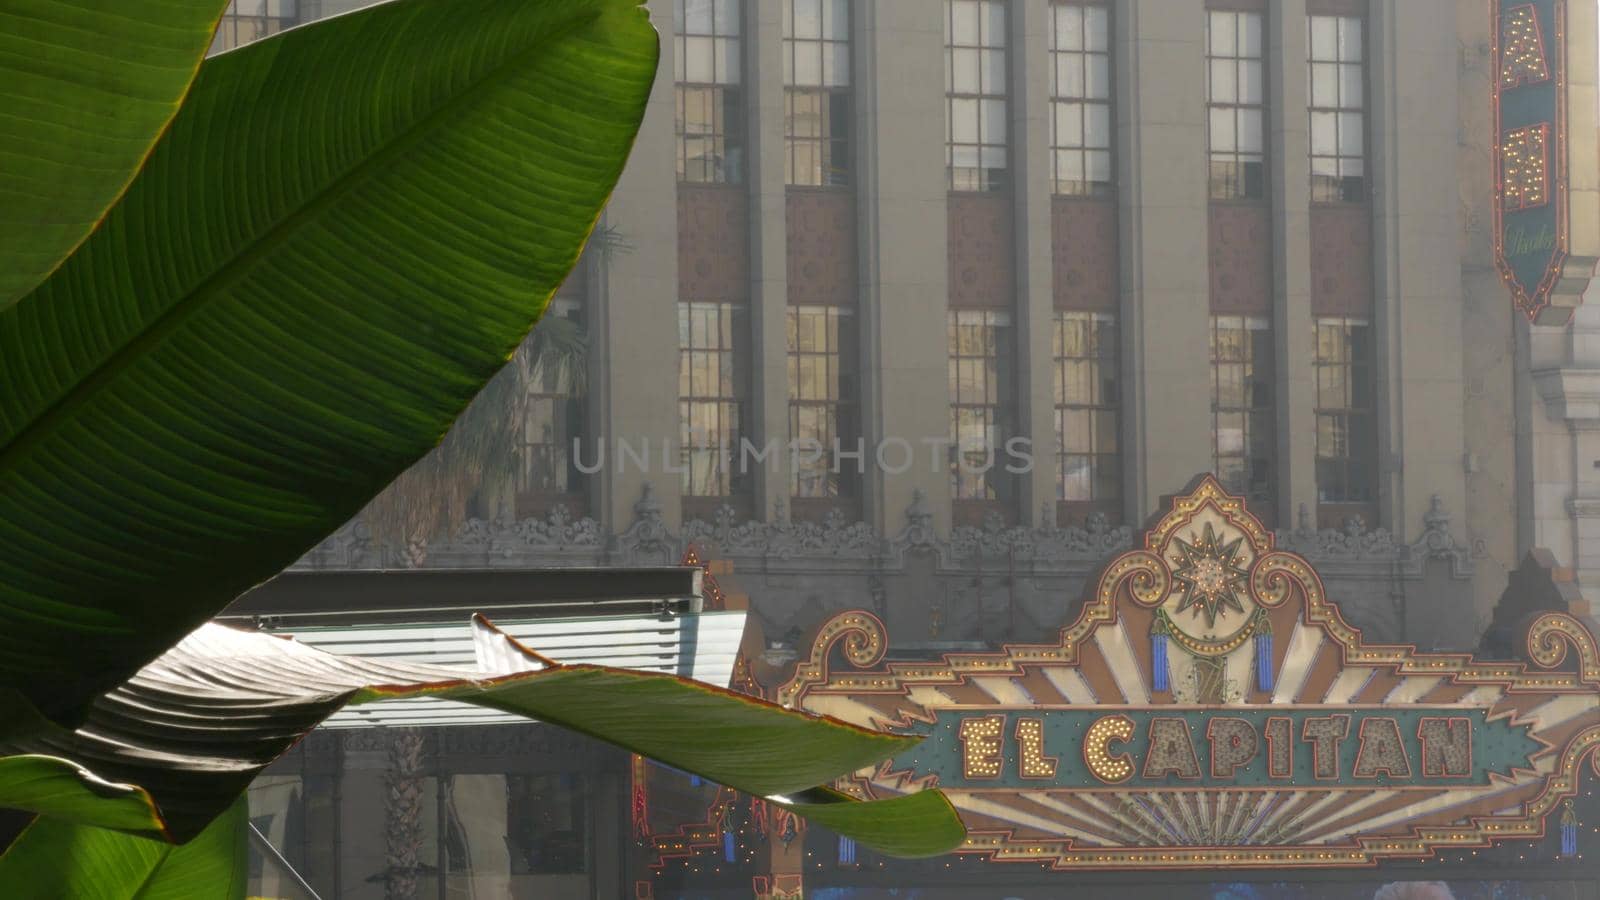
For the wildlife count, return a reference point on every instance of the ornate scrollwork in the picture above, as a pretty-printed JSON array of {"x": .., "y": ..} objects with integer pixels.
[
  {"x": 864, "y": 645},
  {"x": 1275, "y": 574},
  {"x": 1146, "y": 574},
  {"x": 1549, "y": 637}
]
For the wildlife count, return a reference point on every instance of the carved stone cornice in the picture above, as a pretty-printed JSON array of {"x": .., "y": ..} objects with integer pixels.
[{"x": 558, "y": 538}]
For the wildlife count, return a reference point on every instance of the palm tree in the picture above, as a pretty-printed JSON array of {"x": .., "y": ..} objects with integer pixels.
[{"x": 480, "y": 455}]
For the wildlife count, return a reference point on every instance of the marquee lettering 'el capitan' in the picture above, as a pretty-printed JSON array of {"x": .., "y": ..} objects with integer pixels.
[{"x": 1210, "y": 706}]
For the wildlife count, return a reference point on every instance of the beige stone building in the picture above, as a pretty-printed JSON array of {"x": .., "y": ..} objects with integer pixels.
[
  {"x": 989, "y": 278},
  {"x": 921, "y": 306}
]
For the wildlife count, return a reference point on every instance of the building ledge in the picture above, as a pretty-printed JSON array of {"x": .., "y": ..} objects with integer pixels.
[{"x": 1571, "y": 393}]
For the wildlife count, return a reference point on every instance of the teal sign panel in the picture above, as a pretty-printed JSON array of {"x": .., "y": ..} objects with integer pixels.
[
  {"x": 1496, "y": 746},
  {"x": 1530, "y": 148}
]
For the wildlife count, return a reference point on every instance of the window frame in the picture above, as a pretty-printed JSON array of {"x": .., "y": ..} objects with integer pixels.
[
  {"x": 1333, "y": 192},
  {"x": 724, "y": 479},
  {"x": 1354, "y": 406},
  {"x": 977, "y": 178},
  {"x": 997, "y": 404},
  {"x": 828, "y": 146},
  {"x": 1237, "y": 186},
  {"x": 1103, "y": 379},
  {"x": 568, "y": 481},
  {"x": 838, "y": 409},
  {"x": 1260, "y": 488},
  {"x": 719, "y": 100},
  {"x": 1083, "y": 186}
]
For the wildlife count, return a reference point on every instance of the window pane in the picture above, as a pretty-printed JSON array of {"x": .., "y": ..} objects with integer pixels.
[
  {"x": 994, "y": 24},
  {"x": 837, "y": 25},
  {"x": 699, "y": 60},
  {"x": 1069, "y": 75},
  {"x": 808, "y": 19},
  {"x": 1097, "y": 126},
  {"x": 808, "y": 64},
  {"x": 1220, "y": 33},
  {"x": 1350, "y": 134},
  {"x": 1098, "y": 78},
  {"x": 994, "y": 71},
  {"x": 1324, "y": 37},
  {"x": 1222, "y": 138},
  {"x": 1069, "y": 165},
  {"x": 1096, "y": 30},
  {"x": 964, "y": 121},
  {"x": 836, "y": 65},
  {"x": 728, "y": 64},
  {"x": 1350, "y": 43},
  {"x": 1097, "y": 166},
  {"x": 728, "y": 17},
  {"x": 964, "y": 71},
  {"x": 1351, "y": 90},
  {"x": 1250, "y": 133},
  {"x": 1324, "y": 84},
  {"x": 1224, "y": 84},
  {"x": 697, "y": 17},
  {"x": 994, "y": 121},
  {"x": 964, "y": 22},
  {"x": 1250, "y": 34},
  {"x": 1324, "y": 140},
  {"x": 1069, "y": 124},
  {"x": 1069, "y": 27},
  {"x": 1250, "y": 82}
]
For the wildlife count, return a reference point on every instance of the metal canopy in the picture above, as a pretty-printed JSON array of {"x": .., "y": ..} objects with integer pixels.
[
  {"x": 648, "y": 619},
  {"x": 450, "y": 595}
]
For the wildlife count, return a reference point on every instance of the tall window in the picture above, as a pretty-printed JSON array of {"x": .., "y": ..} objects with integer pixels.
[
  {"x": 1338, "y": 103},
  {"x": 975, "y": 91},
  {"x": 1242, "y": 406},
  {"x": 980, "y": 395},
  {"x": 711, "y": 375},
  {"x": 1088, "y": 466},
  {"x": 1347, "y": 441},
  {"x": 250, "y": 20},
  {"x": 553, "y": 409},
  {"x": 1236, "y": 103},
  {"x": 816, "y": 99},
  {"x": 1080, "y": 94},
  {"x": 710, "y": 115},
  {"x": 822, "y": 418}
]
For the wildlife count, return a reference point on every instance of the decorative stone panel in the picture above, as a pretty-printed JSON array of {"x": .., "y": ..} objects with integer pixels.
[
  {"x": 821, "y": 247},
  {"x": 713, "y": 243},
  {"x": 1083, "y": 238},
  {"x": 1241, "y": 259},
  {"x": 1341, "y": 260},
  {"x": 981, "y": 250}
]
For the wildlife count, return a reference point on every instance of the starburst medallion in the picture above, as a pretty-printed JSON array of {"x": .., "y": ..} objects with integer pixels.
[{"x": 1209, "y": 575}]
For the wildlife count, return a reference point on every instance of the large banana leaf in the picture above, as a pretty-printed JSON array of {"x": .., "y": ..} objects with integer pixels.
[
  {"x": 54, "y": 859},
  {"x": 85, "y": 88},
  {"x": 344, "y": 233},
  {"x": 195, "y": 727}
]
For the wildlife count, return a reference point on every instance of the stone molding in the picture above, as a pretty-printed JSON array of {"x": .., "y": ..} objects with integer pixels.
[{"x": 560, "y": 539}]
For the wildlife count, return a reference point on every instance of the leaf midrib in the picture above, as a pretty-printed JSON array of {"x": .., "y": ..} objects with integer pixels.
[{"x": 235, "y": 267}]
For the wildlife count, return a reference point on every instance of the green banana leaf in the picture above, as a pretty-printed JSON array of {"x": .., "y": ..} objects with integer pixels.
[
  {"x": 54, "y": 859},
  {"x": 195, "y": 727},
  {"x": 345, "y": 232},
  {"x": 86, "y": 86}
]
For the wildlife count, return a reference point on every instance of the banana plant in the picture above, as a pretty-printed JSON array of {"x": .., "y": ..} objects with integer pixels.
[{"x": 242, "y": 294}]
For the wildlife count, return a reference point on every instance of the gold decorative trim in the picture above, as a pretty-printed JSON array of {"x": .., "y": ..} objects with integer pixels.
[{"x": 1140, "y": 579}]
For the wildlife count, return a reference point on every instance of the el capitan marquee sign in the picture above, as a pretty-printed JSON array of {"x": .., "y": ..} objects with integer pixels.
[{"x": 1210, "y": 707}]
